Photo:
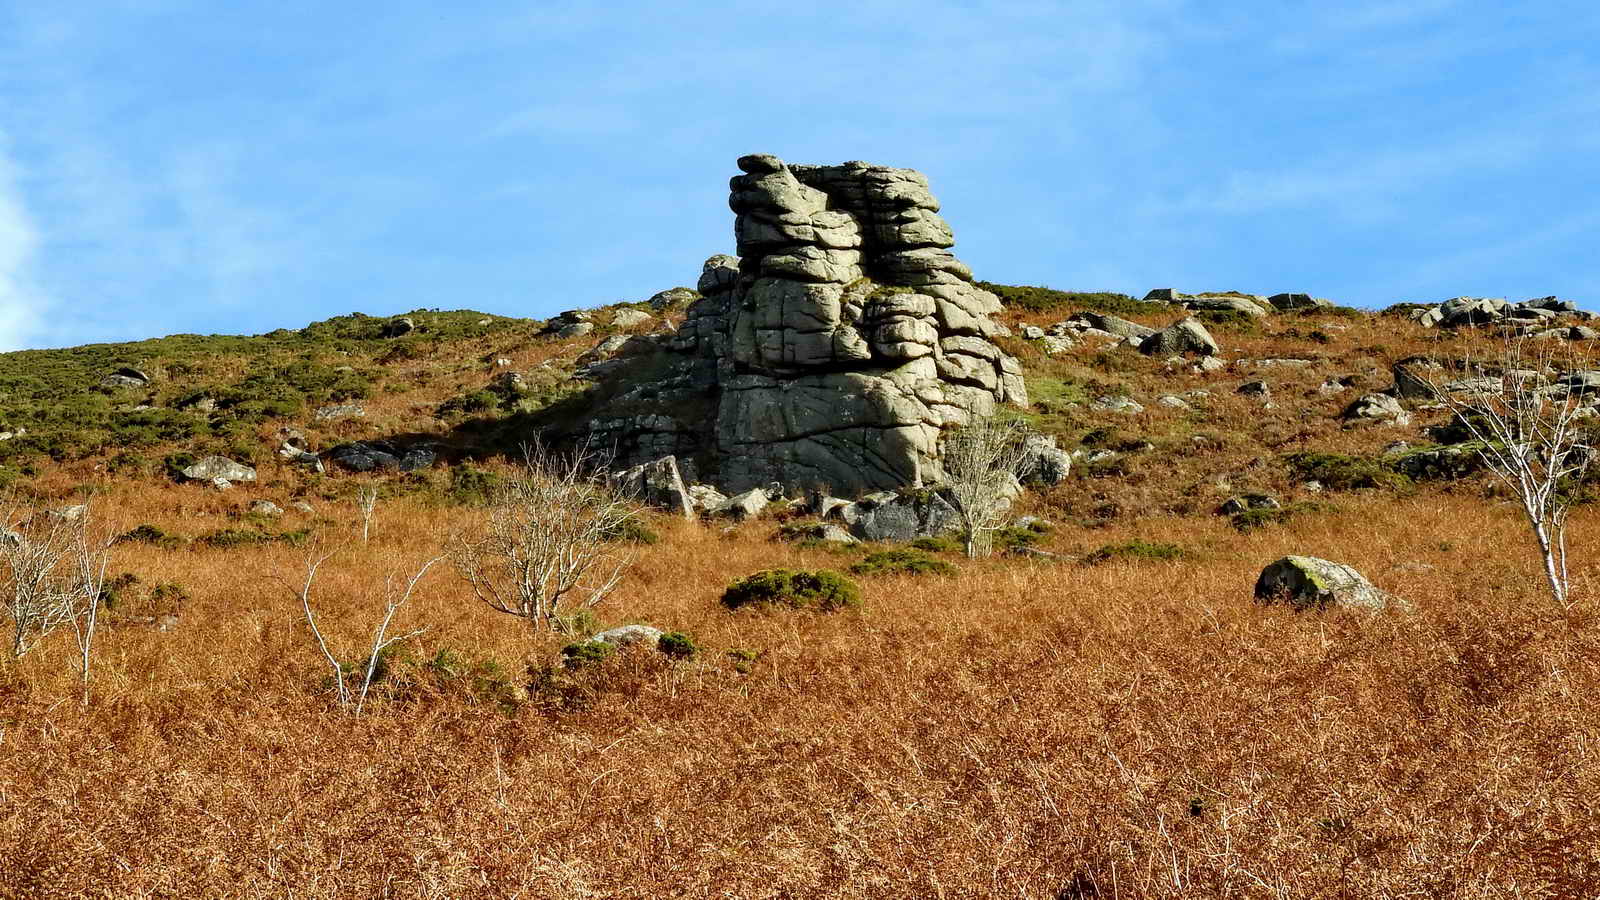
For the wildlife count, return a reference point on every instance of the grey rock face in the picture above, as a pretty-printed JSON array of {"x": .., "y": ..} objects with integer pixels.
[
  {"x": 1183, "y": 336},
  {"x": 834, "y": 350},
  {"x": 213, "y": 467},
  {"x": 1306, "y": 582},
  {"x": 658, "y": 484}
]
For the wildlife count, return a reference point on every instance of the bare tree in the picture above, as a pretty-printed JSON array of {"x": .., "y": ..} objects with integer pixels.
[
  {"x": 54, "y": 572},
  {"x": 367, "y": 503},
  {"x": 549, "y": 543},
  {"x": 981, "y": 462},
  {"x": 1529, "y": 434},
  {"x": 395, "y": 596}
]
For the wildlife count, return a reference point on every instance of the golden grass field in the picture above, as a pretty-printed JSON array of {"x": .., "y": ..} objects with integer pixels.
[{"x": 1030, "y": 729}]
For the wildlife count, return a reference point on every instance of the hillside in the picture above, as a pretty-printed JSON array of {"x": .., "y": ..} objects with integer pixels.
[{"x": 1113, "y": 717}]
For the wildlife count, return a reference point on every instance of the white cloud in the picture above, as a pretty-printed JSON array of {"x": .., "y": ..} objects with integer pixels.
[{"x": 21, "y": 304}]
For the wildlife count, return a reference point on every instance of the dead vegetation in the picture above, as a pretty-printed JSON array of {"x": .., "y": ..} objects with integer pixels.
[{"x": 1020, "y": 727}]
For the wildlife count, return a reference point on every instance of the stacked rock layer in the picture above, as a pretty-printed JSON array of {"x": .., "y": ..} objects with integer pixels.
[{"x": 834, "y": 351}]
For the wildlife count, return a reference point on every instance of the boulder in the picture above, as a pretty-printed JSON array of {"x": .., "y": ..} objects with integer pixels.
[
  {"x": 1411, "y": 385},
  {"x": 1184, "y": 336},
  {"x": 1255, "y": 389},
  {"x": 1125, "y": 405},
  {"x": 826, "y": 532},
  {"x": 397, "y": 327},
  {"x": 213, "y": 467},
  {"x": 1467, "y": 311},
  {"x": 369, "y": 456},
  {"x": 627, "y": 317},
  {"x": 896, "y": 516},
  {"x": 1297, "y": 301},
  {"x": 1226, "y": 303},
  {"x": 705, "y": 497},
  {"x": 1111, "y": 325},
  {"x": 299, "y": 457},
  {"x": 674, "y": 297},
  {"x": 574, "y": 329},
  {"x": 1162, "y": 295},
  {"x": 658, "y": 484},
  {"x": 126, "y": 377},
  {"x": 1306, "y": 582}
]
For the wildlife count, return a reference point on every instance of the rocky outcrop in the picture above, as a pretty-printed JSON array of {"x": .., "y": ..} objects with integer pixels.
[
  {"x": 1541, "y": 316},
  {"x": 834, "y": 350},
  {"x": 1184, "y": 336}
]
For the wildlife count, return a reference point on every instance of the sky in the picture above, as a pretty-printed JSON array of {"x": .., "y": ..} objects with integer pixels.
[{"x": 202, "y": 167}]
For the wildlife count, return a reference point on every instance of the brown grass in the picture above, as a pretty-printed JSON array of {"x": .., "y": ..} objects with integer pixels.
[{"x": 1019, "y": 730}]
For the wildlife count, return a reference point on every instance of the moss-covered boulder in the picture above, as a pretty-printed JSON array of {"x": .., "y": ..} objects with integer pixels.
[{"x": 1306, "y": 582}]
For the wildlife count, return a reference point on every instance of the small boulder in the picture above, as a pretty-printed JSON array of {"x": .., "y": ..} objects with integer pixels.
[
  {"x": 575, "y": 329},
  {"x": 1297, "y": 301},
  {"x": 213, "y": 467},
  {"x": 1306, "y": 582},
  {"x": 679, "y": 296},
  {"x": 265, "y": 508},
  {"x": 1124, "y": 405},
  {"x": 629, "y": 635},
  {"x": 706, "y": 498},
  {"x": 1043, "y": 462},
  {"x": 1245, "y": 502},
  {"x": 747, "y": 505},
  {"x": 1255, "y": 389},
  {"x": 891, "y": 516},
  {"x": 126, "y": 377}
]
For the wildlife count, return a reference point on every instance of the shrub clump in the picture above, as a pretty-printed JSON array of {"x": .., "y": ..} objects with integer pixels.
[
  {"x": 1253, "y": 519},
  {"x": 677, "y": 645},
  {"x": 1342, "y": 473},
  {"x": 578, "y": 654},
  {"x": 901, "y": 561},
  {"x": 150, "y": 534},
  {"x": 1046, "y": 300},
  {"x": 937, "y": 544},
  {"x": 1137, "y": 549},
  {"x": 821, "y": 589}
]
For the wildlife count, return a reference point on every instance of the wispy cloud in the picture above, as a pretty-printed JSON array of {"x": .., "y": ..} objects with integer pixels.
[{"x": 21, "y": 303}]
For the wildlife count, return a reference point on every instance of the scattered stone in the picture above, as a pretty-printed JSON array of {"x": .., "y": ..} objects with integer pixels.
[
  {"x": 827, "y": 532},
  {"x": 1255, "y": 389},
  {"x": 213, "y": 467},
  {"x": 1054, "y": 345},
  {"x": 1032, "y": 332},
  {"x": 501, "y": 362},
  {"x": 220, "y": 484},
  {"x": 302, "y": 506},
  {"x": 1377, "y": 408},
  {"x": 629, "y": 635},
  {"x": 1209, "y": 365},
  {"x": 265, "y": 508},
  {"x": 1124, "y": 405},
  {"x": 339, "y": 411},
  {"x": 1172, "y": 402},
  {"x": 1246, "y": 502},
  {"x": 1306, "y": 582},
  {"x": 1109, "y": 324}
]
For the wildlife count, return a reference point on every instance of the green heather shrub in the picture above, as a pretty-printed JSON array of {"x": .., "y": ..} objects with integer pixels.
[
  {"x": 229, "y": 538},
  {"x": 821, "y": 589},
  {"x": 632, "y": 530},
  {"x": 1230, "y": 320},
  {"x": 471, "y": 486},
  {"x": 1136, "y": 549},
  {"x": 1046, "y": 300},
  {"x": 578, "y": 654},
  {"x": 1341, "y": 473},
  {"x": 677, "y": 645},
  {"x": 744, "y": 660},
  {"x": 1254, "y": 519},
  {"x": 150, "y": 534},
  {"x": 938, "y": 544},
  {"x": 901, "y": 561}
]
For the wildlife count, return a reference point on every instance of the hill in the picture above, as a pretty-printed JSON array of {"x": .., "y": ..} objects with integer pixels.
[{"x": 1116, "y": 718}]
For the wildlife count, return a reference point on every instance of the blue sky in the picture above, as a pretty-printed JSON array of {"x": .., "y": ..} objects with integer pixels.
[{"x": 237, "y": 167}]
